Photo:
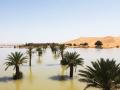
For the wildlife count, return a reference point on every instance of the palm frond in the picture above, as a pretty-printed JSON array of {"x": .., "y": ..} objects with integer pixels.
[
  {"x": 15, "y": 58},
  {"x": 102, "y": 73}
]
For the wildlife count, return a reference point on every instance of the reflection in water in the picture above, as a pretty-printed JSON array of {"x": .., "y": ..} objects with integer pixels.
[
  {"x": 30, "y": 75},
  {"x": 38, "y": 76},
  {"x": 71, "y": 81},
  {"x": 60, "y": 78},
  {"x": 56, "y": 56},
  {"x": 71, "y": 87},
  {"x": 39, "y": 61},
  {"x": 18, "y": 83},
  {"x": 98, "y": 49},
  {"x": 63, "y": 69},
  {"x": 52, "y": 64}
]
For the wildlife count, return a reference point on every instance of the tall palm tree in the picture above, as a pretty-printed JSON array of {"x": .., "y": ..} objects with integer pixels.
[
  {"x": 45, "y": 46},
  {"x": 29, "y": 52},
  {"x": 15, "y": 59},
  {"x": 62, "y": 47},
  {"x": 72, "y": 60},
  {"x": 103, "y": 74},
  {"x": 39, "y": 51},
  {"x": 54, "y": 48}
]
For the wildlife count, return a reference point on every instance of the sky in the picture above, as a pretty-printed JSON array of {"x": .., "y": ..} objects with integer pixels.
[{"x": 24, "y": 21}]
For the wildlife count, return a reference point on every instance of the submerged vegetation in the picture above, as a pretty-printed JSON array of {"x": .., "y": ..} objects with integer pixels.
[
  {"x": 29, "y": 52},
  {"x": 39, "y": 51},
  {"x": 62, "y": 48},
  {"x": 15, "y": 59},
  {"x": 71, "y": 59},
  {"x": 54, "y": 48},
  {"x": 103, "y": 73}
]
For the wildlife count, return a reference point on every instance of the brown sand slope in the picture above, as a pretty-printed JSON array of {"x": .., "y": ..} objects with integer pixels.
[{"x": 108, "y": 41}]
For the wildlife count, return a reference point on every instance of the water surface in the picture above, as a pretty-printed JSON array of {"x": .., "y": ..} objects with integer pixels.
[{"x": 45, "y": 71}]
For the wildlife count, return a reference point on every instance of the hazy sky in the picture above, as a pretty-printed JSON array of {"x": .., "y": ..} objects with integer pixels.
[{"x": 57, "y": 20}]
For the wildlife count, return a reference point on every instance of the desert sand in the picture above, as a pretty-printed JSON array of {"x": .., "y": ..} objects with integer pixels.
[{"x": 108, "y": 41}]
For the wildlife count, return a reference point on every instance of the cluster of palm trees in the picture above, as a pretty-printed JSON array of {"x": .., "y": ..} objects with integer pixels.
[
  {"x": 58, "y": 49},
  {"x": 103, "y": 73},
  {"x": 39, "y": 51}
]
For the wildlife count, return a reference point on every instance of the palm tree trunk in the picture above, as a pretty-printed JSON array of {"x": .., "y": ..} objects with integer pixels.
[
  {"x": 107, "y": 88},
  {"x": 17, "y": 70},
  {"x": 30, "y": 60},
  {"x": 62, "y": 55},
  {"x": 39, "y": 54},
  {"x": 71, "y": 70},
  {"x": 61, "y": 52}
]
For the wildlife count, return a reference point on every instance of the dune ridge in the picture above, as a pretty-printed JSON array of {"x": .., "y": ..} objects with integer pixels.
[{"x": 108, "y": 41}]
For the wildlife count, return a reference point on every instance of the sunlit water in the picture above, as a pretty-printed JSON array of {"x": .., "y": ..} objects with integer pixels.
[{"x": 43, "y": 75}]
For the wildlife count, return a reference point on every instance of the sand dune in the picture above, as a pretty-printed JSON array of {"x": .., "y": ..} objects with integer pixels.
[{"x": 108, "y": 41}]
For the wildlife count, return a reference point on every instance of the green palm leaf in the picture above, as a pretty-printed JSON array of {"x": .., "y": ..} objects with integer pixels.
[
  {"x": 16, "y": 58},
  {"x": 103, "y": 74}
]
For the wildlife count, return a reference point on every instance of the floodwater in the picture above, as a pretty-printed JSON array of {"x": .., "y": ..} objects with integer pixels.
[{"x": 46, "y": 70}]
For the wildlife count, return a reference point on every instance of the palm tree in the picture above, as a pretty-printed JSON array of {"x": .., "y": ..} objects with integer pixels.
[
  {"x": 45, "y": 46},
  {"x": 72, "y": 60},
  {"x": 54, "y": 48},
  {"x": 15, "y": 59},
  {"x": 103, "y": 74},
  {"x": 29, "y": 52},
  {"x": 62, "y": 47},
  {"x": 39, "y": 51}
]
